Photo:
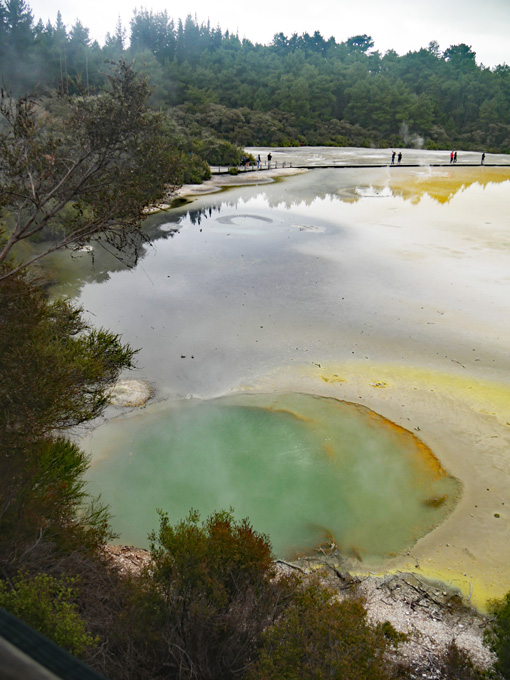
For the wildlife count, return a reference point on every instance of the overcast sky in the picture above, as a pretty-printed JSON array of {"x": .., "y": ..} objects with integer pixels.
[{"x": 401, "y": 25}]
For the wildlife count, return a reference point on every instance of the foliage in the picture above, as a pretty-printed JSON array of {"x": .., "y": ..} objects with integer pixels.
[
  {"x": 48, "y": 605},
  {"x": 54, "y": 375},
  {"x": 299, "y": 89},
  {"x": 498, "y": 634},
  {"x": 90, "y": 171},
  {"x": 218, "y": 152},
  {"x": 321, "y": 637},
  {"x": 209, "y": 594},
  {"x": 195, "y": 170}
]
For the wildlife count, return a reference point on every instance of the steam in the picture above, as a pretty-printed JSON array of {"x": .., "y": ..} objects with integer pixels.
[{"x": 411, "y": 139}]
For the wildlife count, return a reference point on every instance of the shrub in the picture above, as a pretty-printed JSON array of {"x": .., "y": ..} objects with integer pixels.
[
  {"x": 456, "y": 665},
  {"x": 210, "y": 592},
  {"x": 47, "y": 605},
  {"x": 54, "y": 375},
  {"x": 319, "y": 637}
]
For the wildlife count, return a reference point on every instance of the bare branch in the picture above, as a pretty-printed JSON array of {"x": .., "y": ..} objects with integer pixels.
[{"x": 108, "y": 161}]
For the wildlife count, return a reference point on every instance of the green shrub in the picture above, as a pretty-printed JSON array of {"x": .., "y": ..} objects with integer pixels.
[
  {"x": 319, "y": 637},
  {"x": 392, "y": 636},
  {"x": 195, "y": 170},
  {"x": 55, "y": 373},
  {"x": 209, "y": 594},
  {"x": 218, "y": 151},
  {"x": 47, "y": 605}
]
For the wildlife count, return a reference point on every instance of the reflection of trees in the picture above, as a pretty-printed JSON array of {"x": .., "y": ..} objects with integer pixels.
[
  {"x": 443, "y": 188},
  {"x": 338, "y": 185},
  {"x": 96, "y": 266}
]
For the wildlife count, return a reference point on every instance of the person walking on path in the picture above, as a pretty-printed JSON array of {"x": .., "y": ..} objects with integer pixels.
[
  {"x": 393, "y": 157},
  {"x": 451, "y": 157},
  {"x": 483, "y": 158},
  {"x": 455, "y": 157},
  {"x": 399, "y": 157}
]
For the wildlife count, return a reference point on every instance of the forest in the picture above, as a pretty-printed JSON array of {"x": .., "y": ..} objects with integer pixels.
[{"x": 299, "y": 90}]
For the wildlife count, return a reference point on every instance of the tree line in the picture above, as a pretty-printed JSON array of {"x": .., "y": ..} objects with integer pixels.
[{"x": 302, "y": 89}]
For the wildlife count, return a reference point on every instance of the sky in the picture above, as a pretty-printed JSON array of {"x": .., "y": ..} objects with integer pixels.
[{"x": 402, "y": 25}]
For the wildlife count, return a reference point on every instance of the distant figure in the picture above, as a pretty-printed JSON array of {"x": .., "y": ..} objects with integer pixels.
[
  {"x": 258, "y": 162},
  {"x": 399, "y": 157},
  {"x": 483, "y": 157},
  {"x": 455, "y": 157},
  {"x": 393, "y": 157},
  {"x": 269, "y": 156},
  {"x": 451, "y": 157}
]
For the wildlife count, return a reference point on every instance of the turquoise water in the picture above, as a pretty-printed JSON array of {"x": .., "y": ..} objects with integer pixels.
[{"x": 305, "y": 470}]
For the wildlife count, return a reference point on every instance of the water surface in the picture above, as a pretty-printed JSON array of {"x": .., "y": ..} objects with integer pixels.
[{"x": 308, "y": 471}]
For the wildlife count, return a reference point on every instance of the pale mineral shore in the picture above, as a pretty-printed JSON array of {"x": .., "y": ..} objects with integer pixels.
[
  {"x": 225, "y": 181},
  {"x": 463, "y": 416}
]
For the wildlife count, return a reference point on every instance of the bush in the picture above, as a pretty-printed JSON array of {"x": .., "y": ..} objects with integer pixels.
[
  {"x": 54, "y": 375},
  {"x": 218, "y": 151},
  {"x": 319, "y": 637},
  {"x": 194, "y": 170},
  {"x": 209, "y": 594},
  {"x": 47, "y": 605},
  {"x": 456, "y": 665}
]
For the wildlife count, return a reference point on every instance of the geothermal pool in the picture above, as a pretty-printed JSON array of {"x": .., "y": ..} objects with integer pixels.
[
  {"x": 308, "y": 471},
  {"x": 386, "y": 288}
]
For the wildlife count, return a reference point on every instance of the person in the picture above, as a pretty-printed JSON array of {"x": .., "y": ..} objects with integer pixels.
[
  {"x": 455, "y": 157},
  {"x": 399, "y": 157},
  {"x": 258, "y": 162},
  {"x": 483, "y": 157},
  {"x": 393, "y": 158},
  {"x": 451, "y": 157}
]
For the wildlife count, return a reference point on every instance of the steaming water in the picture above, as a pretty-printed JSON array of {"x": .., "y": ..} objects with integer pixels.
[
  {"x": 305, "y": 470},
  {"x": 409, "y": 267}
]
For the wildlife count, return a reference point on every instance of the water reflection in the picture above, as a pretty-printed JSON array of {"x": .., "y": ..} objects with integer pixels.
[
  {"x": 244, "y": 283},
  {"x": 350, "y": 186},
  {"x": 443, "y": 186}
]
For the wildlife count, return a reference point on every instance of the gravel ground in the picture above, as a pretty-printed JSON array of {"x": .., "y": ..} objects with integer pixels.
[{"x": 432, "y": 617}]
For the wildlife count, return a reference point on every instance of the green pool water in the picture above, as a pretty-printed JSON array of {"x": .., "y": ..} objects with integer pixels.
[{"x": 306, "y": 470}]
